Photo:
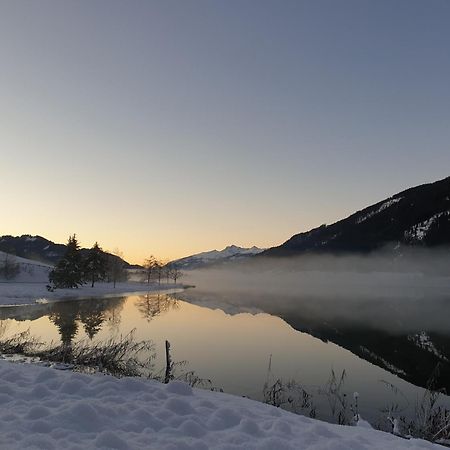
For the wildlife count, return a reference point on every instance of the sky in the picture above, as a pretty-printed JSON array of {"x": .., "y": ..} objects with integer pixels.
[{"x": 174, "y": 127}]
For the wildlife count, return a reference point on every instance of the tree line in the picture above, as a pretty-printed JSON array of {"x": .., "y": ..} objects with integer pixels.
[
  {"x": 74, "y": 270},
  {"x": 158, "y": 270}
]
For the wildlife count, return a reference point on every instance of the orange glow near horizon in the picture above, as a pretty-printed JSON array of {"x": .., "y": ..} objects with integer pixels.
[{"x": 154, "y": 132}]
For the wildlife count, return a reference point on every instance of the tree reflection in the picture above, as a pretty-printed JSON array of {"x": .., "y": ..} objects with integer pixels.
[
  {"x": 64, "y": 316},
  {"x": 3, "y": 327},
  {"x": 91, "y": 313},
  {"x": 113, "y": 315},
  {"x": 152, "y": 305},
  {"x": 92, "y": 319}
]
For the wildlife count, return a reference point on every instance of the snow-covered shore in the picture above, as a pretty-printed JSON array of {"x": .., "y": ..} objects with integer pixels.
[
  {"x": 43, "y": 408},
  {"x": 22, "y": 293}
]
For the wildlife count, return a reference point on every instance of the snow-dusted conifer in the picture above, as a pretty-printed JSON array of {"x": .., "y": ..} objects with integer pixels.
[
  {"x": 95, "y": 265},
  {"x": 68, "y": 273}
]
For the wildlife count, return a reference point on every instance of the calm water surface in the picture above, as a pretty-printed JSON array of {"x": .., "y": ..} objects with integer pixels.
[{"x": 233, "y": 348}]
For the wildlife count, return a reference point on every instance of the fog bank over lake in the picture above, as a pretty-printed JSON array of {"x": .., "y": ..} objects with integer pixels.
[{"x": 410, "y": 292}]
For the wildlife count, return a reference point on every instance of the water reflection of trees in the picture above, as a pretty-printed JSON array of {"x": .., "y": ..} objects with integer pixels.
[
  {"x": 92, "y": 319},
  {"x": 4, "y": 324},
  {"x": 152, "y": 305},
  {"x": 113, "y": 316},
  {"x": 67, "y": 316}
]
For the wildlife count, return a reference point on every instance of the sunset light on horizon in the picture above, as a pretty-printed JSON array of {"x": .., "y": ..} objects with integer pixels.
[{"x": 176, "y": 127}]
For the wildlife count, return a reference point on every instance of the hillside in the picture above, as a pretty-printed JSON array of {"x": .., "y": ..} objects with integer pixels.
[
  {"x": 28, "y": 270},
  {"x": 38, "y": 248},
  {"x": 419, "y": 216}
]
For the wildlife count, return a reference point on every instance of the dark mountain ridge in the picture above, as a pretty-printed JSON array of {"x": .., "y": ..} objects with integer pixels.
[
  {"x": 39, "y": 249},
  {"x": 419, "y": 216}
]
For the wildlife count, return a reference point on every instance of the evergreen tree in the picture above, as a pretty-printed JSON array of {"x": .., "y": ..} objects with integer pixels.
[
  {"x": 68, "y": 273},
  {"x": 95, "y": 265}
]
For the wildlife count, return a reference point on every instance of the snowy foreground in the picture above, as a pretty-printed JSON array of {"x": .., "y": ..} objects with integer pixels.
[
  {"x": 43, "y": 408},
  {"x": 26, "y": 293}
]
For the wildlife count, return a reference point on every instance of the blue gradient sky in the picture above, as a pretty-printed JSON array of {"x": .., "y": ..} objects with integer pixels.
[{"x": 172, "y": 127}]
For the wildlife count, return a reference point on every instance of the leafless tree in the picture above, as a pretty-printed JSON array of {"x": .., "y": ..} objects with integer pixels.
[
  {"x": 167, "y": 272},
  {"x": 116, "y": 269},
  {"x": 150, "y": 267},
  {"x": 175, "y": 274},
  {"x": 159, "y": 270}
]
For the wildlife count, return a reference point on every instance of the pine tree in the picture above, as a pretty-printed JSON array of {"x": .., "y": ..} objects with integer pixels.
[
  {"x": 95, "y": 265},
  {"x": 68, "y": 273}
]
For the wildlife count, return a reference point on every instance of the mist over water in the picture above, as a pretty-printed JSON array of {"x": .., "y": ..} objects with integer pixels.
[{"x": 403, "y": 294}]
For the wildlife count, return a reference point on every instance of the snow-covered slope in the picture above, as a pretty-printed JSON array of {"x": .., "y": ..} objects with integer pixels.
[
  {"x": 419, "y": 216},
  {"x": 43, "y": 408},
  {"x": 203, "y": 259},
  {"x": 29, "y": 270}
]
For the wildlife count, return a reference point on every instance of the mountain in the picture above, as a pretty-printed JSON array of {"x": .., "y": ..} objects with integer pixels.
[
  {"x": 230, "y": 253},
  {"x": 419, "y": 216},
  {"x": 37, "y": 248}
]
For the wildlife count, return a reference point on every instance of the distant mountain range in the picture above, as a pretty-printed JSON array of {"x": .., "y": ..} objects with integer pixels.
[
  {"x": 419, "y": 216},
  {"x": 38, "y": 248},
  {"x": 230, "y": 253}
]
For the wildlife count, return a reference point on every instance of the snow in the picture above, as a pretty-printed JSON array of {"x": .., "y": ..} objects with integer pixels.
[
  {"x": 420, "y": 230},
  {"x": 30, "y": 270},
  {"x": 44, "y": 408},
  {"x": 30, "y": 286},
  {"x": 12, "y": 293},
  {"x": 423, "y": 340},
  {"x": 385, "y": 205},
  {"x": 382, "y": 362},
  {"x": 229, "y": 252}
]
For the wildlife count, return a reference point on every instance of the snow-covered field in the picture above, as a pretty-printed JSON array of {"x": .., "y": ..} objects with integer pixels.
[
  {"x": 30, "y": 286},
  {"x": 16, "y": 293},
  {"x": 44, "y": 408}
]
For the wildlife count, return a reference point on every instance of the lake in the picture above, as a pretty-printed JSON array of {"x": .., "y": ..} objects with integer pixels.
[{"x": 377, "y": 344}]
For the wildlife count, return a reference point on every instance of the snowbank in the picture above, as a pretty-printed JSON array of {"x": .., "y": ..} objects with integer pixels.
[
  {"x": 43, "y": 408},
  {"x": 13, "y": 293}
]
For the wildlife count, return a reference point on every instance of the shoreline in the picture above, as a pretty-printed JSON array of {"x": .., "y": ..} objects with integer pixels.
[
  {"x": 28, "y": 293},
  {"x": 50, "y": 408}
]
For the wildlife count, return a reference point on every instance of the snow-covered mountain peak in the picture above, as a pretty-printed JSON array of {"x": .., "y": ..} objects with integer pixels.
[{"x": 205, "y": 258}]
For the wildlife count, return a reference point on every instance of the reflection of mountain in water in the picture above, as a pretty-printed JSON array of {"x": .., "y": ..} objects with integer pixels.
[
  {"x": 409, "y": 338},
  {"x": 413, "y": 357}
]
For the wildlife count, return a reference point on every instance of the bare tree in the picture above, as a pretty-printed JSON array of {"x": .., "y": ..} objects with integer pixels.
[
  {"x": 150, "y": 267},
  {"x": 167, "y": 272},
  {"x": 176, "y": 274},
  {"x": 159, "y": 270},
  {"x": 116, "y": 269}
]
